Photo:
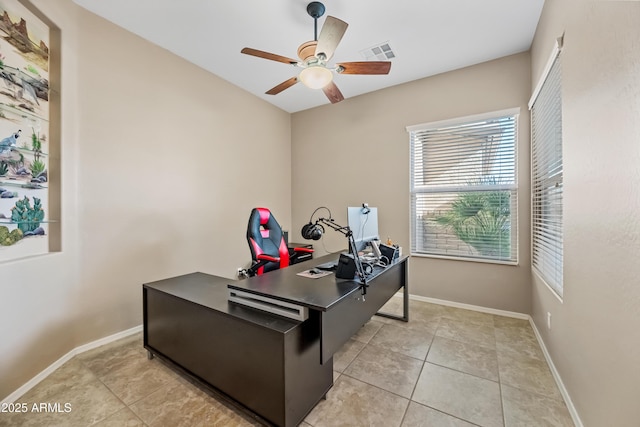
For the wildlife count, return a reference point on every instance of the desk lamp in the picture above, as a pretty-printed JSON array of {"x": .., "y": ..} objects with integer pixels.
[{"x": 315, "y": 230}]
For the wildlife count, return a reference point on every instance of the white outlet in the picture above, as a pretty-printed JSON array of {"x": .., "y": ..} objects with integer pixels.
[{"x": 548, "y": 320}]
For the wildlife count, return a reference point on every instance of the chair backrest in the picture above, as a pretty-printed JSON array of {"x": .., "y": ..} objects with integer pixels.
[{"x": 265, "y": 236}]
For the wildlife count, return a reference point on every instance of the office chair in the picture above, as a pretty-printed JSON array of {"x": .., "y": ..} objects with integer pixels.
[{"x": 269, "y": 250}]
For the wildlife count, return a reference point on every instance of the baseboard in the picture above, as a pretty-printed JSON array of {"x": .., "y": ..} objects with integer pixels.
[
  {"x": 64, "y": 359},
  {"x": 556, "y": 376},
  {"x": 470, "y": 307},
  {"x": 106, "y": 340}
]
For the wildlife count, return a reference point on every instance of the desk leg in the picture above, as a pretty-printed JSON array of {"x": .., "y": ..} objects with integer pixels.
[{"x": 405, "y": 307}]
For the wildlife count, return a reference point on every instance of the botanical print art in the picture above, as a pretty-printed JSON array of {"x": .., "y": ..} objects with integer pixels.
[{"x": 24, "y": 132}]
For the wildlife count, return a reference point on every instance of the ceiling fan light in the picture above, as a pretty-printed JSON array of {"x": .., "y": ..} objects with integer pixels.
[{"x": 316, "y": 77}]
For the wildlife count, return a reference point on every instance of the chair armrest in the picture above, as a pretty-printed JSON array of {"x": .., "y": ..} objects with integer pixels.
[
  {"x": 305, "y": 250},
  {"x": 263, "y": 257}
]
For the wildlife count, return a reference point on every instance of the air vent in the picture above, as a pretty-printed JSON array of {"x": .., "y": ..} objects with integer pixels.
[{"x": 380, "y": 52}]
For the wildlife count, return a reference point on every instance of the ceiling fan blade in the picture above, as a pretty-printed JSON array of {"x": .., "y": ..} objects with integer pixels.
[
  {"x": 333, "y": 93},
  {"x": 267, "y": 55},
  {"x": 365, "y": 67},
  {"x": 330, "y": 35},
  {"x": 282, "y": 86}
]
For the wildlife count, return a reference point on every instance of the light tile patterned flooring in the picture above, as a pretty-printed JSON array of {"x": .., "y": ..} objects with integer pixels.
[{"x": 446, "y": 367}]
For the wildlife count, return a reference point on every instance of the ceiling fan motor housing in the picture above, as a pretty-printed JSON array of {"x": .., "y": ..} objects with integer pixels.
[{"x": 307, "y": 50}]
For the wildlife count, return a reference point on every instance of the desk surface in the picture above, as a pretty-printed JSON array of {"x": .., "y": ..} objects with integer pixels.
[
  {"x": 318, "y": 294},
  {"x": 211, "y": 292}
]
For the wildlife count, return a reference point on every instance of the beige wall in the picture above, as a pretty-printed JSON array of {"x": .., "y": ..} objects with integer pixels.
[
  {"x": 358, "y": 151},
  {"x": 156, "y": 182},
  {"x": 594, "y": 340}
]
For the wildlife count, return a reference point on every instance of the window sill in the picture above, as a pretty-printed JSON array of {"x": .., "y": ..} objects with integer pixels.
[
  {"x": 478, "y": 260},
  {"x": 551, "y": 290}
]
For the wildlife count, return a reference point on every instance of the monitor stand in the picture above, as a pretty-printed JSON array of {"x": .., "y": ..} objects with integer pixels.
[{"x": 375, "y": 246}]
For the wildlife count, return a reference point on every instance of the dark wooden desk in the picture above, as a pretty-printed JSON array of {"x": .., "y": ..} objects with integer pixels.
[
  {"x": 342, "y": 306},
  {"x": 276, "y": 367}
]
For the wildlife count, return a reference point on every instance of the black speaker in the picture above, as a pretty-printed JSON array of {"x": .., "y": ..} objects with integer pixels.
[{"x": 346, "y": 268}]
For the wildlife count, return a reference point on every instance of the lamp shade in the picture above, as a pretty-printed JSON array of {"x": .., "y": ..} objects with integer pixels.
[{"x": 316, "y": 77}]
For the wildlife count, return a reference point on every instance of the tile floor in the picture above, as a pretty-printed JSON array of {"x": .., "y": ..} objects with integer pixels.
[{"x": 446, "y": 367}]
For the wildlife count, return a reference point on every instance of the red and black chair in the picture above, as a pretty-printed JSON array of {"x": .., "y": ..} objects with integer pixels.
[{"x": 269, "y": 249}]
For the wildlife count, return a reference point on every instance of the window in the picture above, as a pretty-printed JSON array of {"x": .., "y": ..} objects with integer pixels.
[
  {"x": 546, "y": 177},
  {"x": 464, "y": 188}
]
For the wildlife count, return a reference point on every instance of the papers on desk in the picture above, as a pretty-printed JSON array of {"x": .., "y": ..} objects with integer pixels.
[{"x": 314, "y": 273}]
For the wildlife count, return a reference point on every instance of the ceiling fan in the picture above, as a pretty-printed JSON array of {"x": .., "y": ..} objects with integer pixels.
[{"x": 315, "y": 55}]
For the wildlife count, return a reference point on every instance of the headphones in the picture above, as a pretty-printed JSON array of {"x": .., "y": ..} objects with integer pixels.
[{"x": 312, "y": 231}]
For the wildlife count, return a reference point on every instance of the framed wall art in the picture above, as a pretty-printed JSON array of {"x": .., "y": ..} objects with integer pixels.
[{"x": 25, "y": 140}]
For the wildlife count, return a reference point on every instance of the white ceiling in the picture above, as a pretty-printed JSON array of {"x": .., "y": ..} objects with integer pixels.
[{"x": 428, "y": 37}]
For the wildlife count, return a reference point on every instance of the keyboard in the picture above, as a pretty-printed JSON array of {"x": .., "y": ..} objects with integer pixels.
[{"x": 328, "y": 266}]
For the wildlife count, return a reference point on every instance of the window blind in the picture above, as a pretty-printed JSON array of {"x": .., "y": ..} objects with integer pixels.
[
  {"x": 547, "y": 180},
  {"x": 464, "y": 188}
]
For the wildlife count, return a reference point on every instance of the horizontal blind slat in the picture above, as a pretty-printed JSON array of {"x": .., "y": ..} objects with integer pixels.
[{"x": 546, "y": 180}]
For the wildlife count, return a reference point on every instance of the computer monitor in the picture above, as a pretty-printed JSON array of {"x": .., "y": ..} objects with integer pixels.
[{"x": 363, "y": 222}]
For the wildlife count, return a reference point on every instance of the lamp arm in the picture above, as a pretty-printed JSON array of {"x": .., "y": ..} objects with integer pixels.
[
  {"x": 359, "y": 268},
  {"x": 329, "y": 222}
]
